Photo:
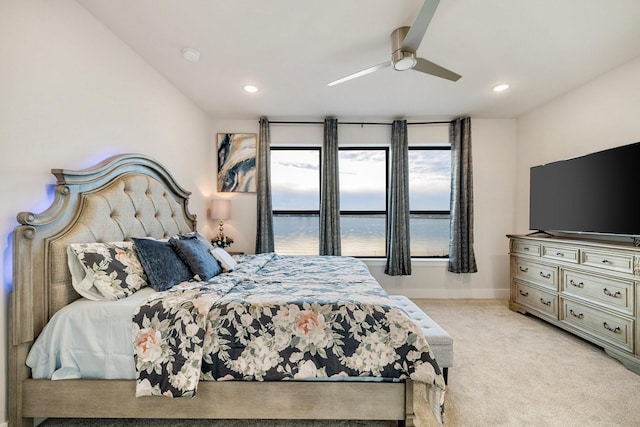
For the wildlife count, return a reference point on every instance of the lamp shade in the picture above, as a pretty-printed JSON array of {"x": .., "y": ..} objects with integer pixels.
[{"x": 220, "y": 209}]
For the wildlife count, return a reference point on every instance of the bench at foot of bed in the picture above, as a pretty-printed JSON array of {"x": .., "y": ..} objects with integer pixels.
[{"x": 439, "y": 340}]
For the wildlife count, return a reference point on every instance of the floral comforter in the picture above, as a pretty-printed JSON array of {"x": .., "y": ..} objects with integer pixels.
[{"x": 278, "y": 318}]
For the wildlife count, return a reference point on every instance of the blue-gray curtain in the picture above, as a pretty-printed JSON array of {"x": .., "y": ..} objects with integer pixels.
[
  {"x": 264, "y": 232},
  {"x": 330, "y": 191},
  {"x": 398, "y": 251},
  {"x": 461, "y": 255}
]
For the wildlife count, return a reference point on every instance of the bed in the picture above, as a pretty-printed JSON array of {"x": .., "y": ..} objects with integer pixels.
[{"x": 133, "y": 197}]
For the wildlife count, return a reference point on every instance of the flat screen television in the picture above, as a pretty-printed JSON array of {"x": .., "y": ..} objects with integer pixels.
[{"x": 596, "y": 193}]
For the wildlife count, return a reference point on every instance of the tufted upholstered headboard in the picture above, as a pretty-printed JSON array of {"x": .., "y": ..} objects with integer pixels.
[{"x": 125, "y": 196}]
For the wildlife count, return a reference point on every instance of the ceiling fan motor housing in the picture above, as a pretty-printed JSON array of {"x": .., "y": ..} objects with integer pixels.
[{"x": 402, "y": 59}]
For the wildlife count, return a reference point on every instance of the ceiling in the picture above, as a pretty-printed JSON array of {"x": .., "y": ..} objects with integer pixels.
[{"x": 291, "y": 49}]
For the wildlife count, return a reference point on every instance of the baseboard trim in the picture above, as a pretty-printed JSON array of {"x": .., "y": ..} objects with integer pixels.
[{"x": 450, "y": 293}]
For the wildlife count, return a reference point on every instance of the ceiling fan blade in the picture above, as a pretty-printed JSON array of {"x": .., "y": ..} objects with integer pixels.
[
  {"x": 434, "y": 69},
  {"x": 361, "y": 73},
  {"x": 419, "y": 27}
]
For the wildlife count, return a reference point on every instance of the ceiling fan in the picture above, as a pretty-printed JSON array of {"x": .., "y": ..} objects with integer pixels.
[{"x": 404, "y": 44}]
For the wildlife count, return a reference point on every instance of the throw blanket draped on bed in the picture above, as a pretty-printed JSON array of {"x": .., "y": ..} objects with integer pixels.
[{"x": 278, "y": 318}]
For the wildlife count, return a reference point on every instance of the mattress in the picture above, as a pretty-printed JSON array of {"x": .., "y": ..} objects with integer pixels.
[{"x": 88, "y": 339}]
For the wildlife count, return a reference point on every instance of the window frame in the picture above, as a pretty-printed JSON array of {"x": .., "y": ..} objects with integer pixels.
[
  {"x": 301, "y": 212},
  {"x": 387, "y": 152},
  {"x": 429, "y": 212},
  {"x": 351, "y": 212}
]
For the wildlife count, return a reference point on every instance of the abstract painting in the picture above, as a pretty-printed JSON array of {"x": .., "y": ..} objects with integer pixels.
[{"x": 237, "y": 162}]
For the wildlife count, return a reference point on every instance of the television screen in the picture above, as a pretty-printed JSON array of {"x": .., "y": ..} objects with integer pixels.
[{"x": 595, "y": 193}]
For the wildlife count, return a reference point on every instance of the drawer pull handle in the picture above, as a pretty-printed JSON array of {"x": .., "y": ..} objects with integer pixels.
[
  {"x": 577, "y": 285},
  {"x": 526, "y": 248},
  {"x": 523, "y": 269},
  {"x": 547, "y": 303},
  {"x": 579, "y": 316},
  {"x": 609, "y": 294},
  {"x": 524, "y": 294},
  {"x": 545, "y": 276},
  {"x": 559, "y": 254},
  {"x": 615, "y": 330},
  {"x": 606, "y": 261}
]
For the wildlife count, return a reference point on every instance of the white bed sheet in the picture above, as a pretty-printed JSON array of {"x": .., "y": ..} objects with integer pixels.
[{"x": 88, "y": 339}]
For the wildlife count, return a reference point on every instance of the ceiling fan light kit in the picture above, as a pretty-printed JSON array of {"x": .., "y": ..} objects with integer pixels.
[
  {"x": 405, "y": 63},
  {"x": 404, "y": 45}
]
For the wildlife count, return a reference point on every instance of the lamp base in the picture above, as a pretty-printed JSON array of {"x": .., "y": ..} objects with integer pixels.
[{"x": 222, "y": 241}]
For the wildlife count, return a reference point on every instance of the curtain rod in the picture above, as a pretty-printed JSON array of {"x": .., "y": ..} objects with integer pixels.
[{"x": 355, "y": 123}]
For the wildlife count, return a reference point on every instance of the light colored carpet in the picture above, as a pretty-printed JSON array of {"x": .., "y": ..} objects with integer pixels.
[
  {"x": 509, "y": 370},
  {"x": 516, "y": 370}
]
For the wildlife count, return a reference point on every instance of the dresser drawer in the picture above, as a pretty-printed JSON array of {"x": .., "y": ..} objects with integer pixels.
[
  {"x": 614, "y": 261},
  {"x": 537, "y": 299},
  {"x": 560, "y": 253},
  {"x": 540, "y": 274},
  {"x": 616, "y": 330},
  {"x": 525, "y": 247},
  {"x": 611, "y": 292}
]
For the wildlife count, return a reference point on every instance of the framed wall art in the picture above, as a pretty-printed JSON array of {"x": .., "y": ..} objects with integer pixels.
[{"x": 237, "y": 162}]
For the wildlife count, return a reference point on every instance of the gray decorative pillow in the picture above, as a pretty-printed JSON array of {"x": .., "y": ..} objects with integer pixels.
[
  {"x": 196, "y": 255},
  {"x": 105, "y": 271},
  {"x": 161, "y": 263}
]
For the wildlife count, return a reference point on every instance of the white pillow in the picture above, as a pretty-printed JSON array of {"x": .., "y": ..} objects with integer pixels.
[
  {"x": 226, "y": 261},
  {"x": 84, "y": 287}
]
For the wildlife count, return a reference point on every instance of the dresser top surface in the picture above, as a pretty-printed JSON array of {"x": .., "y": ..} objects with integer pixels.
[{"x": 582, "y": 241}]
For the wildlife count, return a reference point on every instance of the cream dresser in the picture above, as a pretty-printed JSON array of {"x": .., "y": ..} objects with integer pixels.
[{"x": 587, "y": 287}]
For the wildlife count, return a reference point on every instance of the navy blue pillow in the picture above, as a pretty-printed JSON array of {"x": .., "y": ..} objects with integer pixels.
[
  {"x": 196, "y": 255},
  {"x": 161, "y": 263},
  {"x": 197, "y": 235}
]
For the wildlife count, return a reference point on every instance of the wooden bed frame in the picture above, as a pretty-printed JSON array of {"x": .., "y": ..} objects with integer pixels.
[{"x": 126, "y": 196}]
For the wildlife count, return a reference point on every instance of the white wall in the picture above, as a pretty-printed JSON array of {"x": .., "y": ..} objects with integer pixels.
[
  {"x": 494, "y": 189},
  {"x": 71, "y": 93},
  {"x": 602, "y": 114}
]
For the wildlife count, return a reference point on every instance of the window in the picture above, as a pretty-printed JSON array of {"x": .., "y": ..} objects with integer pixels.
[
  {"x": 363, "y": 201},
  {"x": 429, "y": 200},
  {"x": 295, "y": 181},
  {"x": 295, "y": 188}
]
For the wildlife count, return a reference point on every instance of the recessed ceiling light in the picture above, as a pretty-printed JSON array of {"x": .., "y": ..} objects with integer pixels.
[
  {"x": 501, "y": 88},
  {"x": 190, "y": 54},
  {"x": 250, "y": 88}
]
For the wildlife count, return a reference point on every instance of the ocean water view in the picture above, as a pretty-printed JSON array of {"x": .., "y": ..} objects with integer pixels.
[
  {"x": 362, "y": 236},
  {"x": 363, "y": 187}
]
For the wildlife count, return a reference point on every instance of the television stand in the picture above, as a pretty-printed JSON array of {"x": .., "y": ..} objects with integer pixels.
[{"x": 589, "y": 288}]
